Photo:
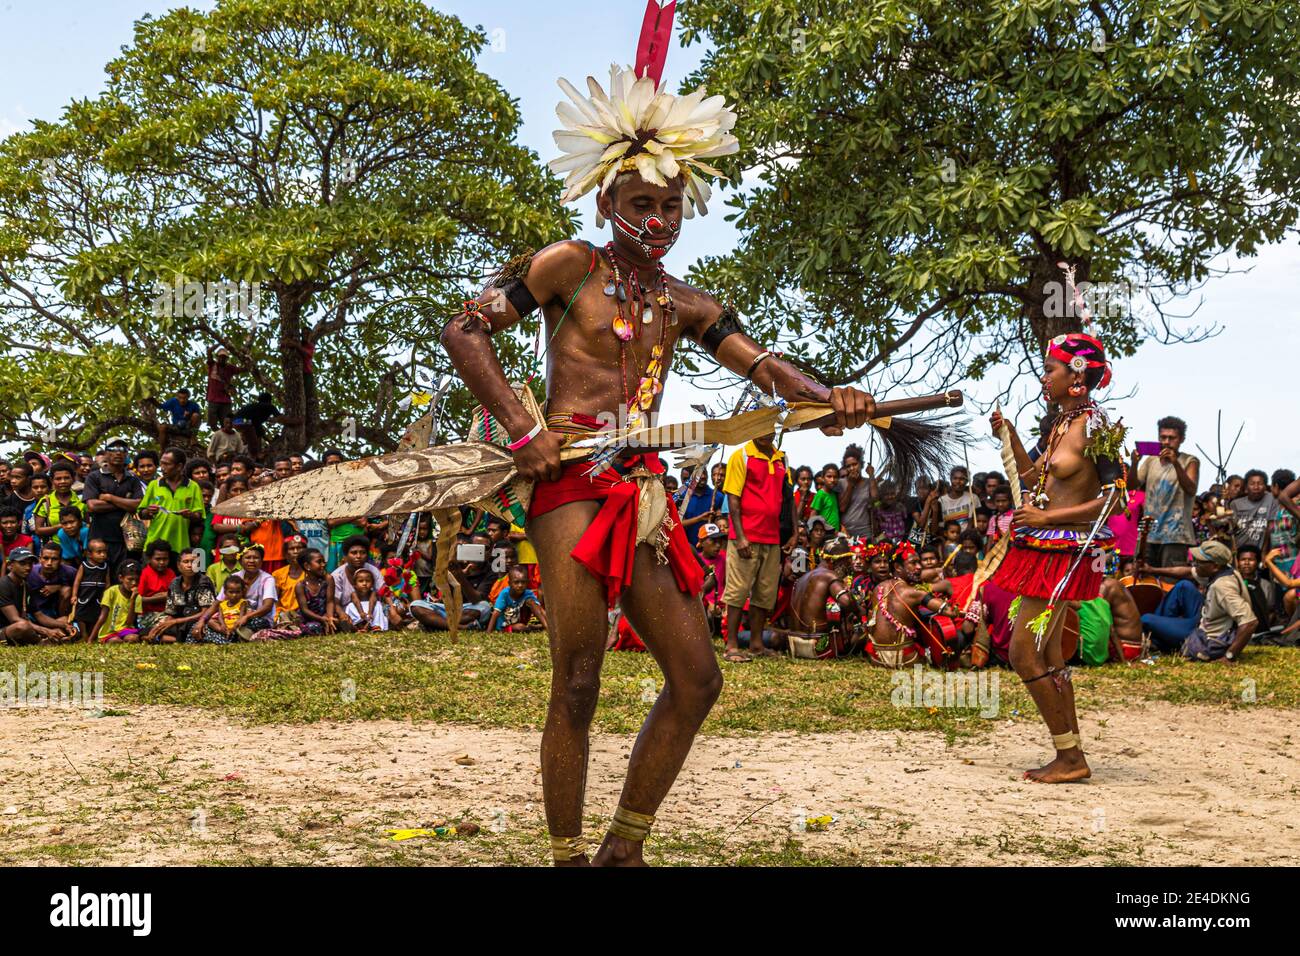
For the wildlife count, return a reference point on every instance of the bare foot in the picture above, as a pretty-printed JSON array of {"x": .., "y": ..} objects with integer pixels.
[
  {"x": 1068, "y": 767},
  {"x": 615, "y": 851}
]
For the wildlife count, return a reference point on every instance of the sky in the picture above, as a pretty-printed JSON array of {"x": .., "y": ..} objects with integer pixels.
[{"x": 53, "y": 51}]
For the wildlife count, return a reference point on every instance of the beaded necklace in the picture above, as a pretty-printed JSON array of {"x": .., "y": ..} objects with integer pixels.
[
  {"x": 625, "y": 287},
  {"x": 882, "y": 606},
  {"x": 1059, "y": 431}
]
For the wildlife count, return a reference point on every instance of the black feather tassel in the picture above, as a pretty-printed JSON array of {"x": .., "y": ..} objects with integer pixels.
[{"x": 922, "y": 446}]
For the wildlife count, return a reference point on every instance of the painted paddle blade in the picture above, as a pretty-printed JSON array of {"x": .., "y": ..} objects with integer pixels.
[{"x": 419, "y": 480}]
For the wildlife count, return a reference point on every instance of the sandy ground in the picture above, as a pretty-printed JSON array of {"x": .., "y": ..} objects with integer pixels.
[{"x": 1171, "y": 784}]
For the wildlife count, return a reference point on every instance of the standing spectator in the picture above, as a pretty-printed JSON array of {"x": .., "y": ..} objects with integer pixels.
[
  {"x": 183, "y": 417},
  {"x": 112, "y": 493},
  {"x": 20, "y": 487},
  {"x": 88, "y": 588},
  {"x": 1253, "y": 512},
  {"x": 1233, "y": 488},
  {"x": 1170, "y": 485},
  {"x": 892, "y": 517},
  {"x": 85, "y": 465},
  {"x": 221, "y": 375},
  {"x": 754, "y": 485},
  {"x": 697, "y": 509},
  {"x": 855, "y": 495},
  {"x": 803, "y": 494},
  {"x": 1285, "y": 527},
  {"x": 225, "y": 441},
  {"x": 146, "y": 465},
  {"x": 251, "y": 420},
  {"x": 171, "y": 501},
  {"x": 40, "y": 486},
  {"x": 61, "y": 499},
  {"x": 957, "y": 503},
  {"x": 1000, "y": 521}
]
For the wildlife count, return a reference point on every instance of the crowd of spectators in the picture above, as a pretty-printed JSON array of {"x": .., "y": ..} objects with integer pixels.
[{"x": 122, "y": 545}]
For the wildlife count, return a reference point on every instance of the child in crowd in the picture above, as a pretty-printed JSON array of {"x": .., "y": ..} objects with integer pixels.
[
  {"x": 11, "y": 536},
  {"x": 425, "y": 560},
  {"x": 88, "y": 588},
  {"x": 155, "y": 578},
  {"x": 225, "y": 621},
  {"x": 951, "y": 539},
  {"x": 286, "y": 582},
  {"x": 366, "y": 610},
  {"x": 73, "y": 535},
  {"x": 40, "y": 486},
  {"x": 320, "y": 613},
  {"x": 228, "y": 563},
  {"x": 515, "y": 603},
  {"x": 119, "y": 608}
]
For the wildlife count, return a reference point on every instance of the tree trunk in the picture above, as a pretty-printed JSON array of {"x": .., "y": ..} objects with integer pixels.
[
  {"x": 294, "y": 437},
  {"x": 1051, "y": 310}
]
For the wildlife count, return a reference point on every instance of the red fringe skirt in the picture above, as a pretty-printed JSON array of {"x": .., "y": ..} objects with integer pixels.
[{"x": 1040, "y": 557}]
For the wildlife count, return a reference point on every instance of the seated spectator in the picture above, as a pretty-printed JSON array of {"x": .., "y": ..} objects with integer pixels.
[
  {"x": 1291, "y": 588},
  {"x": 320, "y": 613},
  {"x": 155, "y": 578},
  {"x": 1227, "y": 621},
  {"x": 1284, "y": 527},
  {"x": 119, "y": 608},
  {"x": 1265, "y": 596},
  {"x": 227, "y": 620},
  {"x": 366, "y": 609},
  {"x": 50, "y": 587},
  {"x": 182, "y": 418},
  {"x": 356, "y": 555},
  {"x": 515, "y": 604},
  {"x": 711, "y": 541},
  {"x": 188, "y": 596}
]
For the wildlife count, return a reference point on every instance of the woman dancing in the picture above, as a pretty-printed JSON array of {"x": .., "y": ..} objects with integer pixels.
[{"x": 1056, "y": 552}]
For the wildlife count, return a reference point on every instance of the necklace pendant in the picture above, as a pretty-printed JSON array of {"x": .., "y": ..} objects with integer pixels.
[
  {"x": 647, "y": 314},
  {"x": 622, "y": 293},
  {"x": 609, "y": 289}
]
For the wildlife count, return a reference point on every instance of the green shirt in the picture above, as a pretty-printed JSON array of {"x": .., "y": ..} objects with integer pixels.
[
  {"x": 343, "y": 532},
  {"x": 828, "y": 506},
  {"x": 166, "y": 525}
]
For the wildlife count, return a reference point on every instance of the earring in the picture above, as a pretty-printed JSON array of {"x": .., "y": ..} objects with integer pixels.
[{"x": 1077, "y": 388}]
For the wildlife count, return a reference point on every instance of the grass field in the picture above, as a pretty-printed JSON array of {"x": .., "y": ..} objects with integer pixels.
[
  {"x": 504, "y": 681},
  {"x": 313, "y": 755}
]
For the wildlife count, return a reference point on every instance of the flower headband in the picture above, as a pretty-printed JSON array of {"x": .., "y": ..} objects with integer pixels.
[{"x": 1079, "y": 361}]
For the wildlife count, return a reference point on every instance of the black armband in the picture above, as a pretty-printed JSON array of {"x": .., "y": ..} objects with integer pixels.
[
  {"x": 728, "y": 324},
  {"x": 517, "y": 294}
]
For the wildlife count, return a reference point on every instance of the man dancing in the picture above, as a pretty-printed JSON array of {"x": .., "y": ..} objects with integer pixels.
[{"x": 613, "y": 317}]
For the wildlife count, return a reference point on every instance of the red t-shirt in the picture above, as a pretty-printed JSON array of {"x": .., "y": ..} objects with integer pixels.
[
  {"x": 19, "y": 541},
  {"x": 219, "y": 378},
  {"x": 759, "y": 484},
  {"x": 152, "y": 583}
]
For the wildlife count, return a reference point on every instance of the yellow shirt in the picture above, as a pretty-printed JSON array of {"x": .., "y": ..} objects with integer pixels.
[
  {"x": 285, "y": 585},
  {"x": 118, "y": 606},
  {"x": 524, "y": 549}
]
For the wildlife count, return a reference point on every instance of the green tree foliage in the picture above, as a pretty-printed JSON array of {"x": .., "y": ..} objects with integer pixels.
[
  {"x": 346, "y": 156},
  {"x": 919, "y": 167}
]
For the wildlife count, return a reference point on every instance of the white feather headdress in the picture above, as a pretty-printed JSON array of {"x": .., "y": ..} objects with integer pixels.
[{"x": 638, "y": 127}]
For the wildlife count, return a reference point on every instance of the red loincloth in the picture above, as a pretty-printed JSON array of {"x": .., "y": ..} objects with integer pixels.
[{"x": 608, "y": 547}]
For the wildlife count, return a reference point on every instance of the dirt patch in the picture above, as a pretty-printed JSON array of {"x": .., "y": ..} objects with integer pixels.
[{"x": 1171, "y": 785}]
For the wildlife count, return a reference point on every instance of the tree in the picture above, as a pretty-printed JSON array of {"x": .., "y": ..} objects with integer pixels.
[
  {"x": 314, "y": 184},
  {"x": 920, "y": 167}
]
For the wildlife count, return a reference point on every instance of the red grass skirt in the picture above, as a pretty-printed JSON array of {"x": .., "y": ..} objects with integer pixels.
[
  {"x": 1040, "y": 557},
  {"x": 608, "y": 547}
]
